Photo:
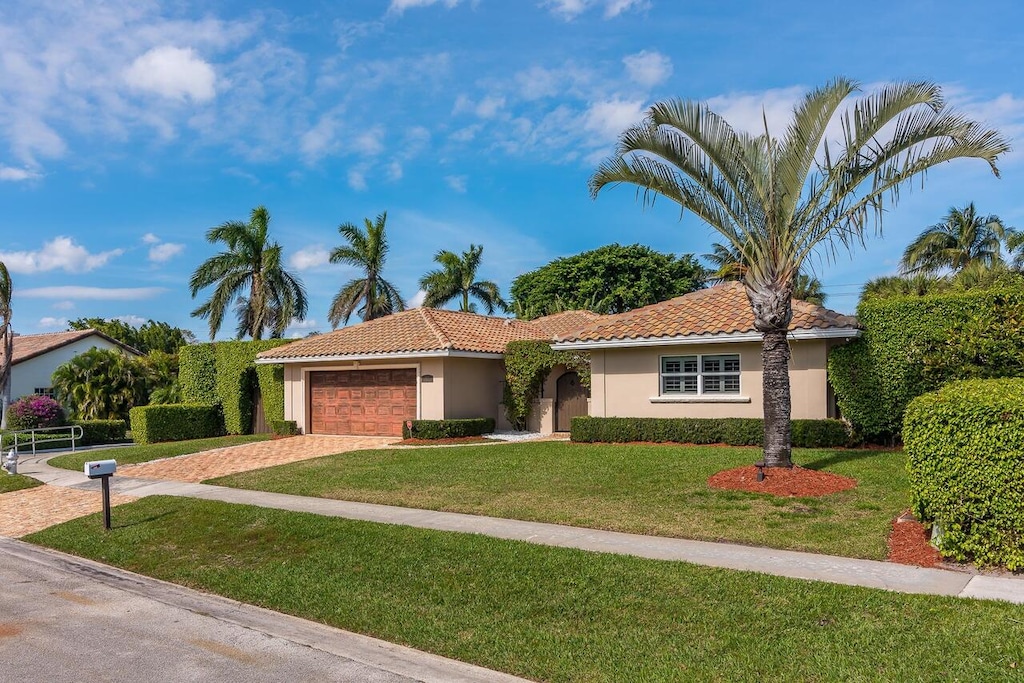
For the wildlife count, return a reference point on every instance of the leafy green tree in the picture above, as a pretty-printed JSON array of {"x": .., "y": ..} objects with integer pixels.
[
  {"x": 456, "y": 278},
  {"x": 151, "y": 336},
  {"x": 250, "y": 267},
  {"x": 962, "y": 238},
  {"x": 809, "y": 289},
  {"x": 779, "y": 199},
  {"x": 6, "y": 342},
  {"x": 610, "y": 279},
  {"x": 728, "y": 266},
  {"x": 370, "y": 295},
  {"x": 889, "y": 286},
  {"x": 100, "y": 384}
]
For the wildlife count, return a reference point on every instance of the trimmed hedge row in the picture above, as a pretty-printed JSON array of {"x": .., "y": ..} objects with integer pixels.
[
  {"x": 733, "y": 431},
  {"x": 285, "y": 427},
  {"x": 447, "y": 429},
  {"x": 175, "y": 422},
  {"x": 94, "y": 432},
  {"x": 965, "y": 455}
]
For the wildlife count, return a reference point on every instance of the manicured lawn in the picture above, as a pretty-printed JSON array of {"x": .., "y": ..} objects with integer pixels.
[
  {"x": 657, "y": 490},
  {"x": 552, "y": 613},
  {"x": 129, "y": 455},
  {"x": 16, "y": 482}
]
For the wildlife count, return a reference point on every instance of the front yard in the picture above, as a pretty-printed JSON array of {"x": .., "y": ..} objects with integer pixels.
[
  {"x": 131, "y": 455},
  {"x": 658, "y": 490},
  {"x": 16, "y": 482},
  {"x": 551, "y": 613}
]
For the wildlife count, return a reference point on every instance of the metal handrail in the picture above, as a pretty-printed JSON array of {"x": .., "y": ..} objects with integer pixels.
[{"x": 75, "y": 433}]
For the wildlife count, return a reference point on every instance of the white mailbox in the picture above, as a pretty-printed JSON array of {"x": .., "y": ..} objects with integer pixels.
[{"x": 95, "y": 469}]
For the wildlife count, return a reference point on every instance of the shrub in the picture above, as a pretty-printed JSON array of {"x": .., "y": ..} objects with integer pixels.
[
  {"x": 284, "y": 427},
  {"x": 175, "y": 422},
  {"x": 527, "y": 365},
  {"x": 33, "y": 412},
  {"x": 447, "y": 429},
  {"x": 731, "y": 431},
  {"x": 102, "y": 431},
  {"x": 44, "y": 441},
  {"x": 965, "y": 455}
]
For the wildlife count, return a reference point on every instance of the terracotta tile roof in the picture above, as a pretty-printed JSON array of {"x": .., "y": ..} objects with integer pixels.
[
  {"x": 28, "y": 346},
  {"x": 561, "y": 324},
  {"x": 415, "y": 330},
  {"x": 722, "y": 309}
]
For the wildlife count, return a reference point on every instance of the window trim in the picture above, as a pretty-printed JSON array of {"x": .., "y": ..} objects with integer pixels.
[{"x": 700, "y": 395}]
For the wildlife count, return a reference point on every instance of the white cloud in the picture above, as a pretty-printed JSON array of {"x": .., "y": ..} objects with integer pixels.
[
  {"x": 567, "y": 9},
  {"x": 748, "y": 111},
  {"x": 310, "y": 257},
  {"x": 173, "y": 72},
  {"x": 59, "y": 253},
  {"x": 160, "y": 253},
  {"x": 570, "y": 9},
  {"x": 94, "y": 293},
  {"x": 307, "y": 324},
  {"x": 456, "y": 182},
  {"x": 395, "y": 171},
  {"x": 53, "y": 322},
  {"x": 320, "y": 140},
  {"x": 357, "y": 180},
  {"x": 369, "y": 143},
  {"x": 17, "y": 175},
  {"x": 648, "y": 68},
  {"x": 150, "y": 238},
  {"x": 613, "y": 8},
  {"x": 489, "y": 106},
  {"x": 399, "y": 6},
  {"x": 417, "y": 299},
  {"x": 133, "y": 320},
  {"x": 609, "y": 118}
]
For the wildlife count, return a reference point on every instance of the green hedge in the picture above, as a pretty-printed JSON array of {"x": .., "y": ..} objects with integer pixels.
[
  {"x": 447, "y": 429},
  {"x": 175, "y": 422},
  {"x": 911, "y": 345},
  {"x": 97, "y": 432},
  {"x": 44, "y": 442},
  {"x": 224, "y": 373},
  {"x": 965, "y": 456},
  {"x": 285, "y": 427},
  {"x": 732, "y": 431}
]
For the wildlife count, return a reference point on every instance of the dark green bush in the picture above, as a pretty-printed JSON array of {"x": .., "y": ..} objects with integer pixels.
[
  {"x": 44, "y": 441},
  {"x": 175, "y": 422},
  {"x": 284, "y": 427},
  {"x": 965, "y": 456},
  {"x": 95, "y": 432},
  {"x": 731, "y": 431},
  {"x": 447, "y": 429}
]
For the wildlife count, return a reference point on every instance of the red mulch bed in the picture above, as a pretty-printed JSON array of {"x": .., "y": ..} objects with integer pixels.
[
  {"x": 443, "y": 442},
  {"x": 782, "y": 481},
  {"x": 908, "y": 544}
]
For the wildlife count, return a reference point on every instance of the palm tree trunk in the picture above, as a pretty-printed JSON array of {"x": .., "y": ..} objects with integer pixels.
[{"x": 773, "y": 311}]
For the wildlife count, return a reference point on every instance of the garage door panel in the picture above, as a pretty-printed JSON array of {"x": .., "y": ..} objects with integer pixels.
[{"x": 363, "y": 402}]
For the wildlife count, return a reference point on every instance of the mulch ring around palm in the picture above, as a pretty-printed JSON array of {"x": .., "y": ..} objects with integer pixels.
[{"x": 782, "y": 481}]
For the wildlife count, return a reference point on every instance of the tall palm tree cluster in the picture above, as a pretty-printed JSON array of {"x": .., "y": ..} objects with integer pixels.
[{"x": 248, "y": 275}]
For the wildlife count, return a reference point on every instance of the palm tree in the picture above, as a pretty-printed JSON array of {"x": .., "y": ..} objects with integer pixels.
[
  {"x": 371, "y": 295},
  {"x": 779, "y": 198},
  {"x": 728, "y": 264},
  {"x": 963, "y": 237},
  {"x": 6, "y": 342},
  {"x": 916, "y": 284},
  {"x": 249, "y": 269},
  {"x": 457, "y": 278},
  {"x": 1015, "y": 245},
  {"x": 100, "y": 384}
]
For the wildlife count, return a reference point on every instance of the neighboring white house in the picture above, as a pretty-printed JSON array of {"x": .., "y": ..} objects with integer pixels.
[{"x": 36, "y": 356}]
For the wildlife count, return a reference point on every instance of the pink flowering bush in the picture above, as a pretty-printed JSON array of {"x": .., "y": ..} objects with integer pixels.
[{"x": 30, "y": 412}]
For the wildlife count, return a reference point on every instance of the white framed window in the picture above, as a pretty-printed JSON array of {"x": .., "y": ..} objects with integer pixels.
[
  {"x": 44, "y": 391},
  {"x": 700, "y": 375}
]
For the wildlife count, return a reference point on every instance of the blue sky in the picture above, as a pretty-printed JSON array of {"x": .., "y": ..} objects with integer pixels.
[{"x": 130, "y": 127}]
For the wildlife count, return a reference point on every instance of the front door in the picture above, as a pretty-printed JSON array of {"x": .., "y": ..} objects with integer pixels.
[{"x": 570, "y": 400}]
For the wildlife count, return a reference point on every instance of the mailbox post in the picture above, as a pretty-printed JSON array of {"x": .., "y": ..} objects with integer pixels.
[{"x": 102, "y": 470}]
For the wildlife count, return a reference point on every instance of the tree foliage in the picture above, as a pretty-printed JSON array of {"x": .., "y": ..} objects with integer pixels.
[
  {"x": 727, "y": 265},
  {"x": 371, "y": 296},
  {"x": 150, "y": 336},
  {"x": 833, "y": 173},
  {"x": 527, "y": 365},
  {"x": 456, "y": 278},
  {"x": 101, "y": 384},
  {"x": 962, "y": 238},
  {"x": 250, "y": 276},
  {"x": 611, "y": 279}
]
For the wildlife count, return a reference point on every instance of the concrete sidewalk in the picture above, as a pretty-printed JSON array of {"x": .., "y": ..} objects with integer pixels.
[{"x": 841, "y": 570}]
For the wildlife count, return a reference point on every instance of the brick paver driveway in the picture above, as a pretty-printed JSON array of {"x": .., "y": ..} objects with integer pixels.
[
  {"x": 252, "y": 456},
  {"x": 29, "y": 510}
]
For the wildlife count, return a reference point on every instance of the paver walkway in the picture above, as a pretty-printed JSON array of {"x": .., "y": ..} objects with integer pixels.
[
  {"x": 30, "y": 510},
  {"x": 253, "y": 456}
]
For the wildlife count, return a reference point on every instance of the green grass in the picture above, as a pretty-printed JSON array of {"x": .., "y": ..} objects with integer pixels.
[
  {"x": 16, "y": 482},
  {"x": 657, "y": 490},
  {"x": 552, "y": 613},
  {"x": 130, "y": 455}
]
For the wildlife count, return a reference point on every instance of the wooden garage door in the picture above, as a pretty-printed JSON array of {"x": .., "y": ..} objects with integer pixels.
[{"x": 366, "y": 402}]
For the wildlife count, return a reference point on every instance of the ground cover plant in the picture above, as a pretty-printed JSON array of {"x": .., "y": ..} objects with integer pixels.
[
  {"x": 551, "y": 614},
  {"x": 648, "y": 489},
  {"x": 130, "y": 455},
  {"x": 16, "y": 482}
]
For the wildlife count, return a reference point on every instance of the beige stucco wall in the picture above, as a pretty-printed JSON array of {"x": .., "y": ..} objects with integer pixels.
[
  {"x": 35, "y": 373},
  {"x": 472, "y": 387},
  {"x": 624, "y": 382}
]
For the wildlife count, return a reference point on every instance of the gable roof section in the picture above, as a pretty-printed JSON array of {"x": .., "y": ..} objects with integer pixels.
[
  {"x": 28, "y": 346},
  {"x": 562, "y": 324},
  {"x": 418, "y": 331},
  {"x": 718, "y": 313}
]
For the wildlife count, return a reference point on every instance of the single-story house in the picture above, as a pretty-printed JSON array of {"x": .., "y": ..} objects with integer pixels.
[
  {"x": 34, "y": 357},
  {"x": 697, "y": 355},
  {"x": 421, "y": 363}
]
